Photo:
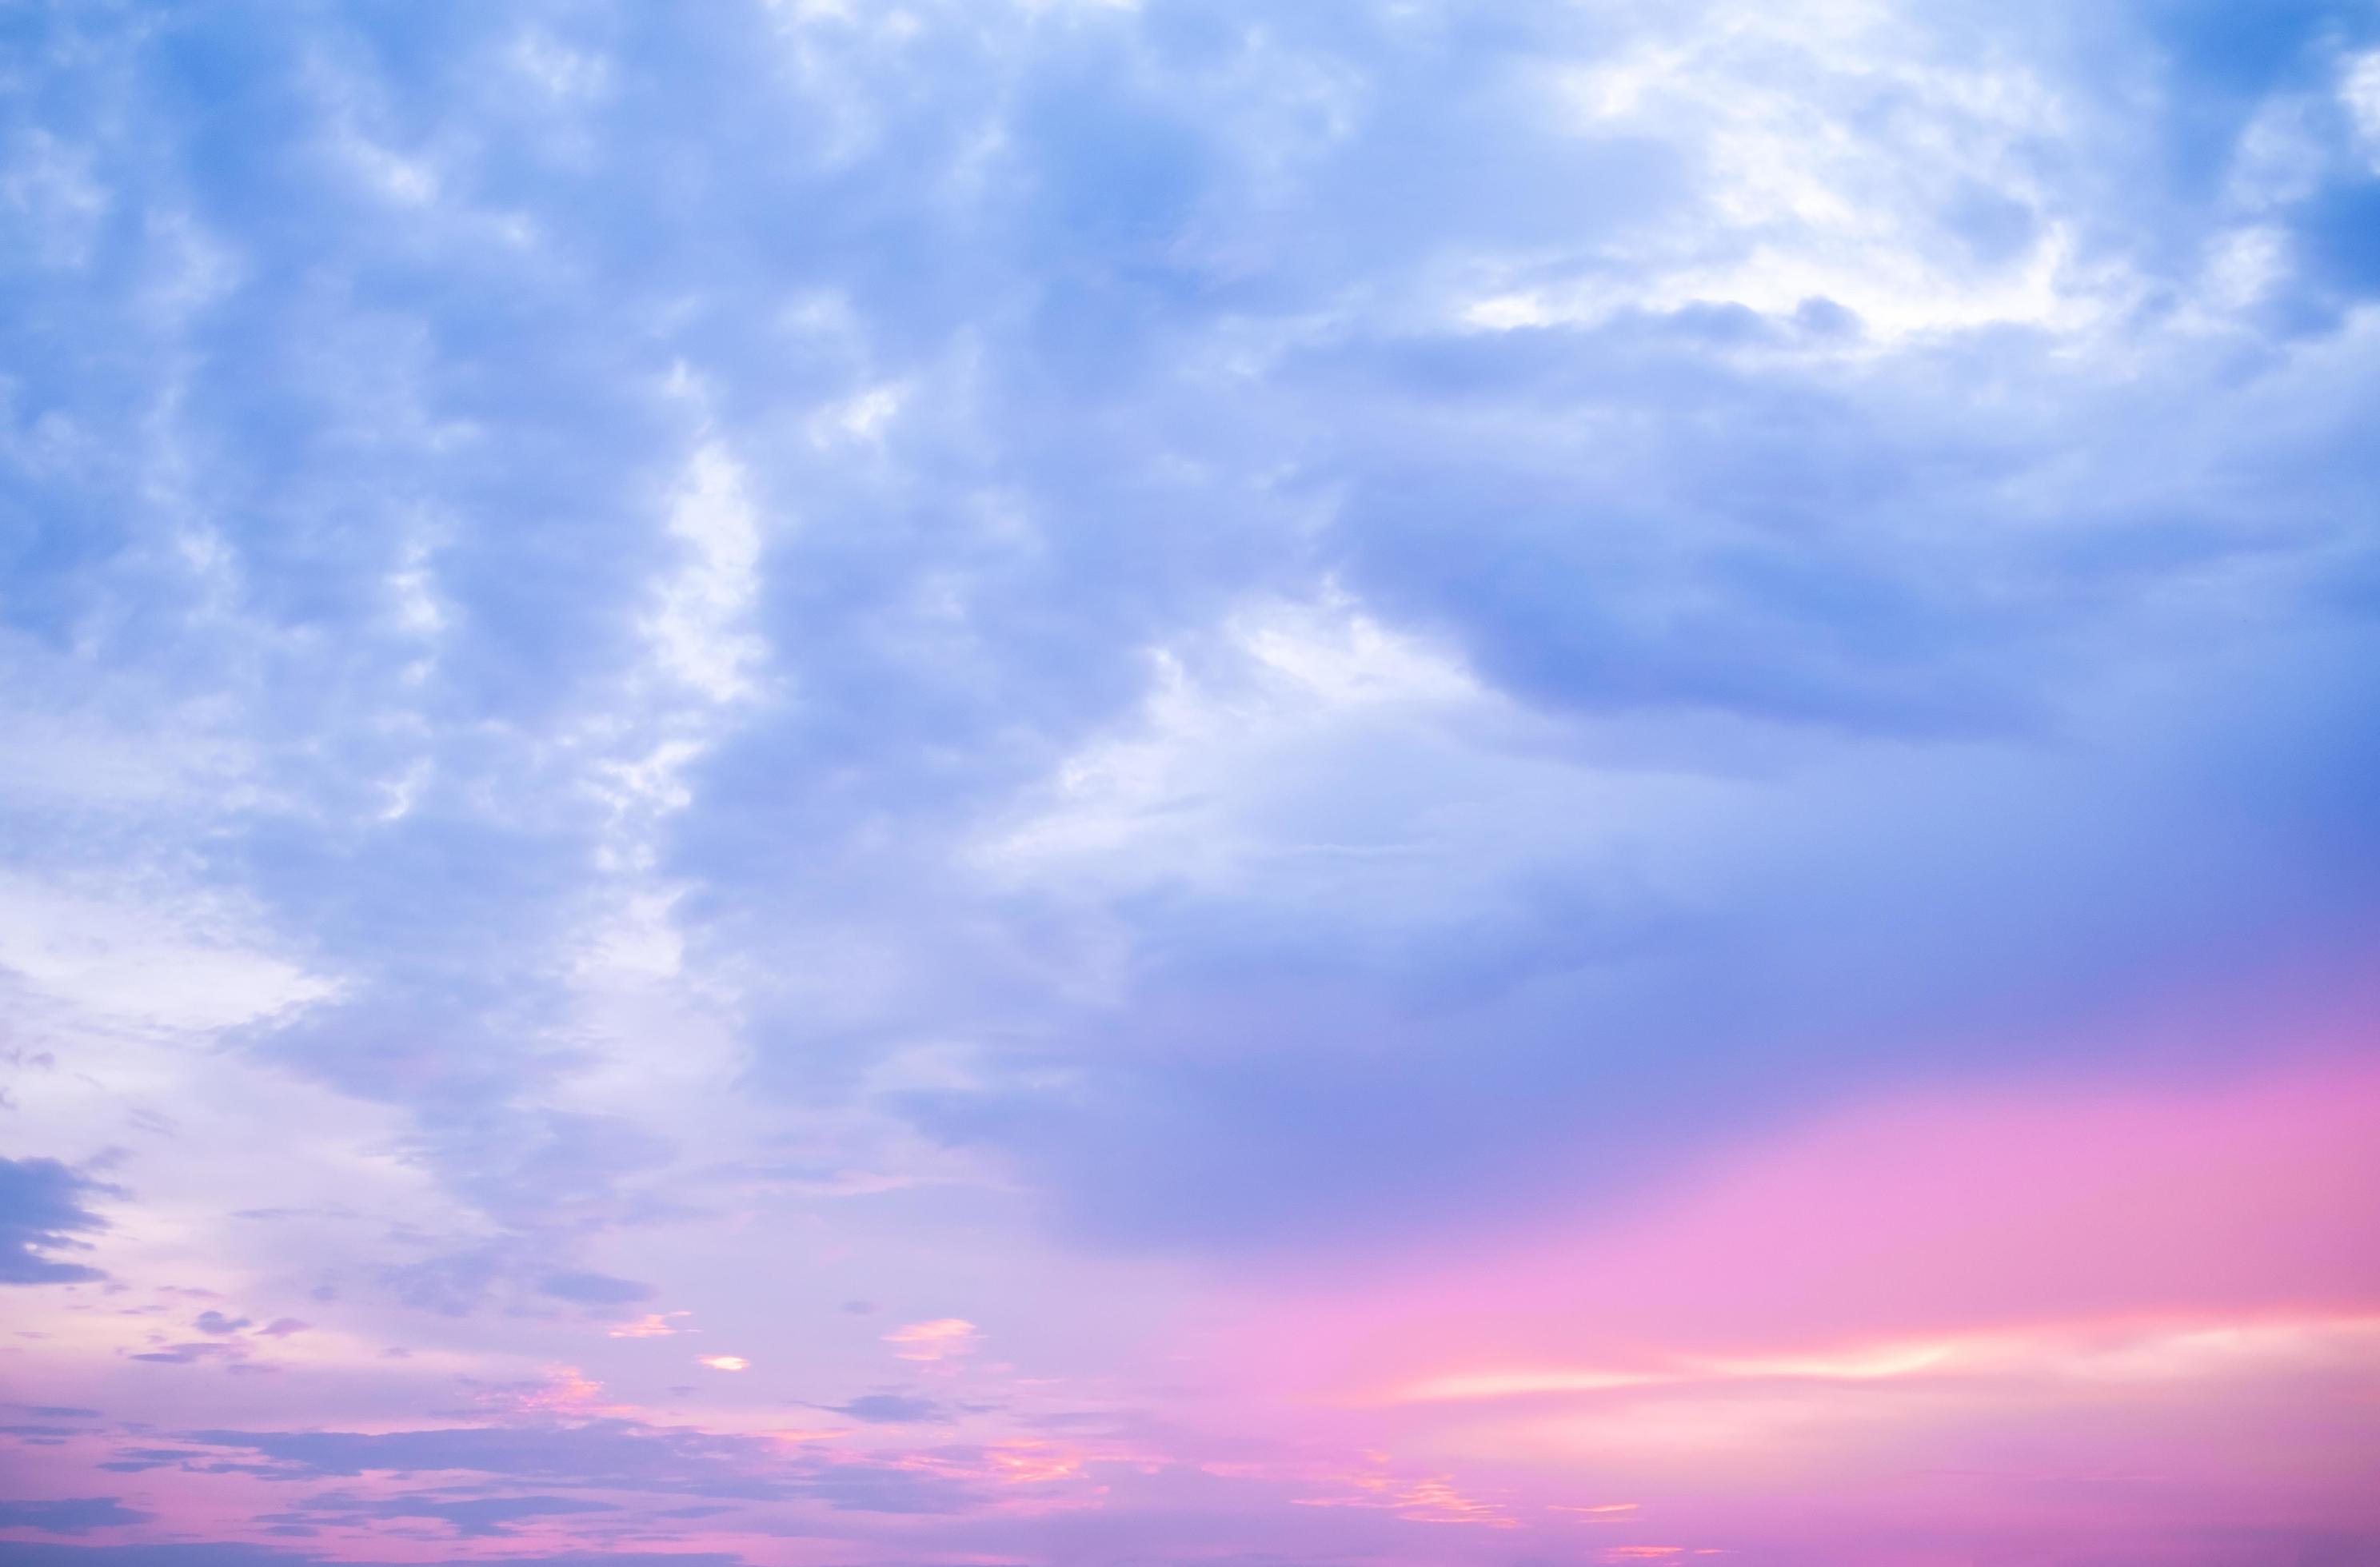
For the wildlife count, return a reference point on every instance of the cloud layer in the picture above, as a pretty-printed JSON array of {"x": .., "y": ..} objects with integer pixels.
[{"x": 1055, "y": 782}]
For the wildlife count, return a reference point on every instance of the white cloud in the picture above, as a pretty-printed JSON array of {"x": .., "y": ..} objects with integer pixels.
[
  {"x": 2359, "y": 90},
  {"x": 124, "y": 956},
  {"x": 58, "y": 202},
  {"x": 560, "y": 70},
  {"x": 861, "y": 417},
  {"x": 1159, "y": 800},
  {"x": 1354, "y": 783},
  {"x": 699, "y": 631},
  {"x": 1804, "y": 193}
]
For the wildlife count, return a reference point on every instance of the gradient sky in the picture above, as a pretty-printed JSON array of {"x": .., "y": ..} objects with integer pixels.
[{"x": 1023, "y": 783}]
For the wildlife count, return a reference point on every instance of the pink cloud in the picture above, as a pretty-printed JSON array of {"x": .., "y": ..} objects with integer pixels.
[
  {"x": 942, "y": 1339},
  {"x": 656, "y": 1325}
]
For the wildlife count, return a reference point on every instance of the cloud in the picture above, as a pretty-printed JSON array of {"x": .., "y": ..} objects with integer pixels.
[
  {"x": 228, "y": 1554},
  {"x": 653, "y": 1325},
  {"x": 194, "y": 1353},
  {"x": 890, "y": 1409},
  {"x": 595, "y": 1289},
  {"x": 135, "y": 1459},
  {"x": 695, "y": 626},
  {"x": 116, "y": 955},
  {"x": 471, "y": 1517},
  {"x": 1725, "y": 495},
  {"x": 945, "y": 1338},
  {"x": 607, "y": 1454},
  {"x": 40, "y": 1212},
  {"x": 1178, "y": 645},
  {"x": 70, "y": 1515}
]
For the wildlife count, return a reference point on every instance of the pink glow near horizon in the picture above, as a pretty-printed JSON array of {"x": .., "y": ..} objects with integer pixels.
[
  {"x": 1962, "y": 1301},
  {"x": 2055, "y": 1310}
]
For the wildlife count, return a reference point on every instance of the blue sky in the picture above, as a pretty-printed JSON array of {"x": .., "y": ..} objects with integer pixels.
[{"x": 801, "y": 672}]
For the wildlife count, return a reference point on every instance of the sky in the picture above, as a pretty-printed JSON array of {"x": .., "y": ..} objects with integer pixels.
[{"x": 1032, "y": 783}]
